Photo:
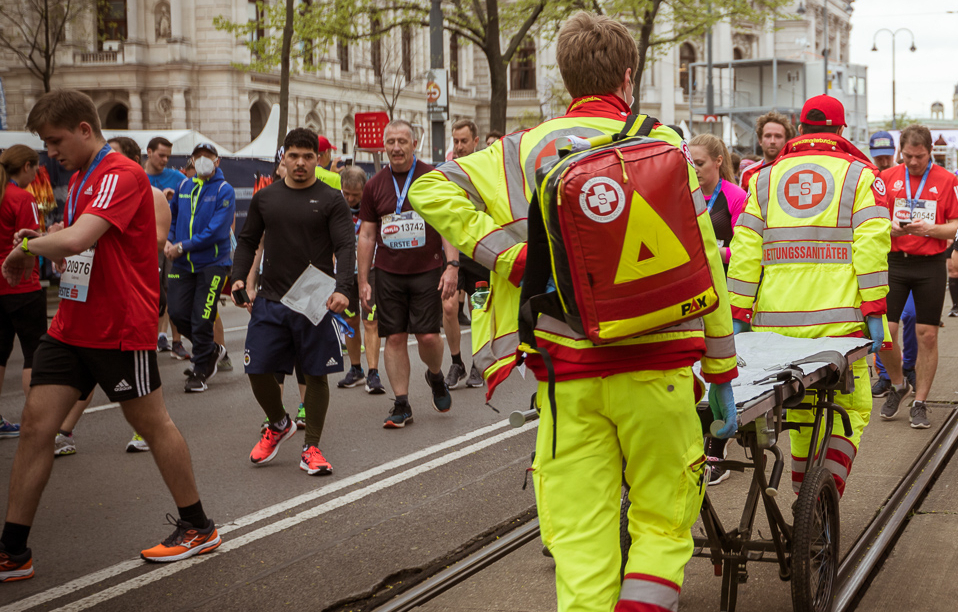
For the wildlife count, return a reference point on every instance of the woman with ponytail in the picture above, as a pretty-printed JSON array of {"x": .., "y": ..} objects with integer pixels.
[{"x": 23, "y": 309}]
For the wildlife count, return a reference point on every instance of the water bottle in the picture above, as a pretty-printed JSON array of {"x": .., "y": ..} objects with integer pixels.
[{"x": 478, "y": 299}]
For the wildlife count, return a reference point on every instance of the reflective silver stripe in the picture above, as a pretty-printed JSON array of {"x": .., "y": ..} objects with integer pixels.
[
  {"x": 868, "y": 213},
  {"x": 489, "y": 248},
  {"x": 751, "y": 222},
  {"x": 457, "y": 176},
  {"x": 720, "y": 348},
  {"x": 692, "y": 325},
  {"x": 798, "y": 473},
  {"x": 804, "y": 319},
  {"x": 552, "y": 325},
  {"x": 806, "y": 252},
  {"x": 512, "y": 165},
  {"x": 644, "y": 591},
  {"x": 872, "y": 280},
  {"x": 843, "y": 446},
  {"x": 699, "y": 200},
  {"x": 762, "y": 189},
  {"x": 837, "y": 469},
  {"x": 846, "y": 204},
  {"x": 742, "y": 287},
  {"x": 501, "y": 347},
  {"x": 831, "y": 234}
]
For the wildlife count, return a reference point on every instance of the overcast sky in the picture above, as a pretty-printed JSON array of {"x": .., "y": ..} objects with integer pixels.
[{"x": 925, "y": 76}]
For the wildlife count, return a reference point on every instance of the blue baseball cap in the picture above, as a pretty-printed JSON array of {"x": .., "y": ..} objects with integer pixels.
[{"x": 881, "y": 143}]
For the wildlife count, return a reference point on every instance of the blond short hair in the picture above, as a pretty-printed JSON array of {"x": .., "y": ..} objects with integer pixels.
[
  {"x": 593, "y": 53},
  {"x": 66, "y": 109}
]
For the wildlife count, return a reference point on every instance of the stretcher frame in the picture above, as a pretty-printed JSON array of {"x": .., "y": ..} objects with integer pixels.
[{"x": 795, "y": 549}]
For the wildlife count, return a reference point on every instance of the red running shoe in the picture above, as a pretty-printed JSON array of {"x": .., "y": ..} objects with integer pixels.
[
  {"x": 313, "y": 462},
  {"x": 185, "y": 542},
  {"x": 15, "y": 567},
  {"x": 268, "y": 445}
]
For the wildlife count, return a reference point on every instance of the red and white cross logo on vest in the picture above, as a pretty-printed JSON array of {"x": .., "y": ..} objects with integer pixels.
[
  {"x": 602, "y": 199},
  {"x": 805, "y": 189}
]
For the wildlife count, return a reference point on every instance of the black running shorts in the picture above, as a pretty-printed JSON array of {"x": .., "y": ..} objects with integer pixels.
[
  {"x": 123, "y": 375},
  {"x": 356, "y": 304},
  {"x": 408, "y": 303},
  {"x": 23, "y": 315},
  {"x": 925, "y": 277}
]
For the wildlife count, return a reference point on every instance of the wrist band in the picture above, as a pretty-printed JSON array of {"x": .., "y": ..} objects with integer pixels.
[{"x": 24, "y": 248}]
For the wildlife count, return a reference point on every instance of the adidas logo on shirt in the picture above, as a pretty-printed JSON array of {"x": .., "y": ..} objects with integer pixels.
[
  {"x": 331, "y": 362},
  {"x": 89, "y": 190},
  {"x": 934, "y": 189},
  {"x": 122, "y": 386}
]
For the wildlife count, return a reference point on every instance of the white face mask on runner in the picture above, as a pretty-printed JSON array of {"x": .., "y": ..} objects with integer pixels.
[{"x": 204, "y": 167}]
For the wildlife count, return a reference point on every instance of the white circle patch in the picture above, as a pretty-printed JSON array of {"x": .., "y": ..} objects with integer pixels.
[
  {"x": 879, "y": 186},
  {"x": 602, "y": 199}
]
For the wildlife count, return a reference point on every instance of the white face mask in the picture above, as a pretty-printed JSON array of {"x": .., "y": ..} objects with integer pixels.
[{"x": 204, "y": 166}]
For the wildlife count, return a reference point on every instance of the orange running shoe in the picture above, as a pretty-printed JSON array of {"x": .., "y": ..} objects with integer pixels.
[
  {"x": 185, "y": 542},
  {"x": 15, "y": 567},
  {"x": 268, "y": 445},
  {"x": 313, "y": 462}
]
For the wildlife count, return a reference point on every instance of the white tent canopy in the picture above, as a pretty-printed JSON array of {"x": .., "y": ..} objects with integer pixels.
[
  {"x": 264, "y": 147},
  {"x": 183, "y": 140}
]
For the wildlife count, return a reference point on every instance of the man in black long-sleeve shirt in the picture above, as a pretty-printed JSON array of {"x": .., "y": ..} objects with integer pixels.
[{"x": 306, "y": 222}]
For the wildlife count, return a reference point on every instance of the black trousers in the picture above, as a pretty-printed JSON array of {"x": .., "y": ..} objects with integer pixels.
[{"x": 193, "y": 298}]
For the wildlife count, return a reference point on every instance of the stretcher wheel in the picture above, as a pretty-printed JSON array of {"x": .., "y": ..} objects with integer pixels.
[
  {"x": 815, "y": 543},
  {"x": 625, "y": 539}
]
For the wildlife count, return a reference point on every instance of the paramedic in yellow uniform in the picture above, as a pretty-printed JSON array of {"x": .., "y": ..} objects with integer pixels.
[
  {"x": 810, "y": 260},
  {"x": 634, "y": 399}
]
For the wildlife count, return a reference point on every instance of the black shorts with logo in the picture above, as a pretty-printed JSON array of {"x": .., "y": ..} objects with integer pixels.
[
  {"x": 123, "y": 375},
  {"x": 356, "y": 305},
  {"x": 408, "y": 303},
  {"x": 23, "y": 315}
]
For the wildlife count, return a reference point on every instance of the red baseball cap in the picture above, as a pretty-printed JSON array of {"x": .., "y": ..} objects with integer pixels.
[
  {"x": 325, "y": 145},
  {"x": 830, "y": 107}
]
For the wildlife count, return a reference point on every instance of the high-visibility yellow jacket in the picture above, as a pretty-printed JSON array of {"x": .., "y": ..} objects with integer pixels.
[
  {"x": 329, "y": 177},
  {"x": 480, "y": 202},
  {"x": 810, "y": 252}
]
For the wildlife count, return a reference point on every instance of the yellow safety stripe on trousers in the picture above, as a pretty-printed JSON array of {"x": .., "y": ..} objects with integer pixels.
[
  {"x": 872, "y": 280},
  {"x": 806, "y": 318},
  {"x": 807, "y": 252},
  {"x": 868, "y": 213},
  {"x": 457, "y": 176},
  {"x": 648, "y": 592}
]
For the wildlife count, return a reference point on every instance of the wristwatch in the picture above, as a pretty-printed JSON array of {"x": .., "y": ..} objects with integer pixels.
[
  {"x": 454, "y": 263},
  {"x": 25, "y": 248},
  {"x": 179, "y": 248}
]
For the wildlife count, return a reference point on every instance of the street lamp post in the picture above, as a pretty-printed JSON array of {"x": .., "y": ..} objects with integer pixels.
[{"x": 894, "y": 35}]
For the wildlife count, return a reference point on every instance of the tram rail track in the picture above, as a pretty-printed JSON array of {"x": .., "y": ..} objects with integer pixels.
[{"x": 855, "y": 571}]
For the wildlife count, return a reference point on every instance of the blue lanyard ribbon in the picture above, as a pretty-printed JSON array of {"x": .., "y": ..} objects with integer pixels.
[
  {"x": 344, "y": 326},
  {"x": 401, "y": 195},
  {"x": 712, "y": 198},
  {"x": 75, "y": 196},
  {"x": 921, "y": 187}
]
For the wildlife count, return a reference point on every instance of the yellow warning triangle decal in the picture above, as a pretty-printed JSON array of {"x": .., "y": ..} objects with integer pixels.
[{"x": 650, "y": 247}]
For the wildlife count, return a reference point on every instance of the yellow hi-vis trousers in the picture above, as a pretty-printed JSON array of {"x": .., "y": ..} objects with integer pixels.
[
  {"x": 841, "y": 450},
  {"x": 649, "y": 419}
]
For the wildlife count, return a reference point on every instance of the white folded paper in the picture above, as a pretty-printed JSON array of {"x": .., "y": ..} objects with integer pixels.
[{"x": 309, "y": 294}]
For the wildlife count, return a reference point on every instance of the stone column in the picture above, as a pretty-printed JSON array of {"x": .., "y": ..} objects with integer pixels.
[
  {"x": 136, "y": 111},
  {"x": 176, "y": 21},
  {"x": 179, "y": 109}
]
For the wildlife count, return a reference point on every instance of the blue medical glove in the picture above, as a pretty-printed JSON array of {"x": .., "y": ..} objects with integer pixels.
[
  {"x": 722, "y": 403},
  {"x": 741, "y": 326},
  {"x": 876, "y": 331}
]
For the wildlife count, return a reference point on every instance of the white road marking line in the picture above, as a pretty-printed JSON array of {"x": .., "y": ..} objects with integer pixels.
[
  {"x": 100, "y": 408},
  {"x": 273, "y": 528},
  {"x": 270, "y": 511}
]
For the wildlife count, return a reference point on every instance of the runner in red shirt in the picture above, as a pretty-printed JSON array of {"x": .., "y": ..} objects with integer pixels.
[
  {"x": 103, "y": 332},
  {"x": 923, "y": 201}
]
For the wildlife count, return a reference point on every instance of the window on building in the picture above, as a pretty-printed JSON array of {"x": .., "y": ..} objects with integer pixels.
[
  {"x": 342, "y": 48},
  {"x": 407, "y": 52},
  {"x": 256, "y": 13},
  {"x": 454, "y": 60},
  {"x": 523, "y": 67},
  {"x": 686, "y": 57},
  {"x": 111, "y": 20},
  {"x": 737, "y": 53},
  {"x": 376, "y": 48}
]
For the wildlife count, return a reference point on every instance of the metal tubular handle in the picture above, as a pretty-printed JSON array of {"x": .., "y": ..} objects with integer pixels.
[
  {"x": 520, "y": 417},
  {"x": 776, "y": 475}
]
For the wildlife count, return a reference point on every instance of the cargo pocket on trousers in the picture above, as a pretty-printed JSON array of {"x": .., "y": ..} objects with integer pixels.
[{"x": 691, "y": 490}]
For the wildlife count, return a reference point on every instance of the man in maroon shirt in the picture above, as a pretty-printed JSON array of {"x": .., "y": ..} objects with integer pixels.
[
  {"x": 104, "y": 331},
  {"x": 410, "y": 278}
]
